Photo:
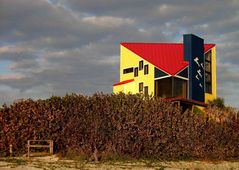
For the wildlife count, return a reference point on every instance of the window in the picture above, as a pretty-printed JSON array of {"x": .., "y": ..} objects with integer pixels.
[
  {"x": 163, "y": 87},
  {"x": 141, "y": 86},
  {"x": 146, "y": 69},
  {"x": 136, "y": 72},
  {"x": 146, "y": 91},
  {"x": 207, "y": 66},
  {"x": 141, "y": 65},
  {"x": 128, "y": 70},
  {"x": 158, "y": 73},
  {"x": 208, "y": 88},
  {"x": 208, "y": 72},
  {"x": 207, "y": 77},
  {"x": 208, "y": 56},
  {"x": 179, "y": 87},
  {"x": 183, "y": 73},
  {"x": 171, "y": 87}
]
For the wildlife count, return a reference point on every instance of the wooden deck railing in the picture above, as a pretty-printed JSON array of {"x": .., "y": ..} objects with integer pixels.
[{"x": 33, "y": 144}]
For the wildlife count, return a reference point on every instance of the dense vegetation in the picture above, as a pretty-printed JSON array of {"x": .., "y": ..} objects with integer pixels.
[{"x": 109, "y": 125}]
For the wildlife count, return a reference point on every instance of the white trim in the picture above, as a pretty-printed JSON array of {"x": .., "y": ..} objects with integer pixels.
[
  {"x": 181, "y": 70},
  {"x": 209, "y": 49},
  {"x": 181, "y": 77},
  {"x": 161, "y": 70},
  {"x": 162, "y": 77}
]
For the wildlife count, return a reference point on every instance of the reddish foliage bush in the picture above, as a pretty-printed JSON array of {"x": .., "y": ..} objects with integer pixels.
[{"x": 126, "y": 125}]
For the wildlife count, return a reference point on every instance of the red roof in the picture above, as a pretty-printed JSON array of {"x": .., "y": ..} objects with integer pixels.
[
  {"x": 123, "y": 82},
  {"x": 208, "y": 47},
  {"x": 168, "y": 57}
]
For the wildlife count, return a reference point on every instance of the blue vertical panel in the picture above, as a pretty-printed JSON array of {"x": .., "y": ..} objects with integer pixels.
[{"x": 194, "y": 54}]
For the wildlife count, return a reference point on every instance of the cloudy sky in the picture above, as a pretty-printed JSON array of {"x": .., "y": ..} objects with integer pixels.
[{"x": 54, "y": 47}]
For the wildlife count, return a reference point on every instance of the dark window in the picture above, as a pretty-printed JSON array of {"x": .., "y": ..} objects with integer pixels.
[
  {"x": 207, "y": 78},
  {"x": 208, "y": 56},
  {"x": 208, "y": 72},
  {"x": 208, "y": 66},
  {"x": 163, "y": 87},
  {"x": 179, "y": 88},
  {"x": 184, "y": 73},
  {"x": 136, "y": 72},
  {"x": 128, "y": 70},
  {"x": 141, "y": 86},
  {"x": 208, "y": 88},
  {"x": 171, "y": 87},
  {"x": 146, "y": 69},
  {"x": 146, "y": 91},
  {"x": 141, "y": 65},
  {"x": 158, "y": 73}
]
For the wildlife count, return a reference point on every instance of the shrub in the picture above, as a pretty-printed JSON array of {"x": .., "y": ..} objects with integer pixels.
[
  {"x": 218, "y": 102},
  {"x": 105, "y": 126}
]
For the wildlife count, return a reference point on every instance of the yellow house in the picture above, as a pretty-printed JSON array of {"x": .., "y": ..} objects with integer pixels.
[{"x": 171, "y": 70}]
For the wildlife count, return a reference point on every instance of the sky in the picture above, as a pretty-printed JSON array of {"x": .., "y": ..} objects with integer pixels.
[{"x": 54, "y": 47}]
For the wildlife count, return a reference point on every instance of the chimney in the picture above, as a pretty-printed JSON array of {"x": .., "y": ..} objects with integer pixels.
[{"x": 194, "y": 54}]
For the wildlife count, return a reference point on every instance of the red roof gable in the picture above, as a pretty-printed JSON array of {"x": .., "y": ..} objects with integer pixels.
[
  {"x": 208, "y": 47},
  {"x": 168, "y": 57}
]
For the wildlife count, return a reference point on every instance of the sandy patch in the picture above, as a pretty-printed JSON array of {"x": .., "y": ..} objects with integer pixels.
[{"x": 54, "y": 163}]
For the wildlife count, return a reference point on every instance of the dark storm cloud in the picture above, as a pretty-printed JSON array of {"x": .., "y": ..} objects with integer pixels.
[{"x": 59, "y": 46}]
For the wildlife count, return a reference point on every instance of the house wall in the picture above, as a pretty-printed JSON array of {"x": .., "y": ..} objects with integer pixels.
[
  {"x": 125, "y": 88},
  {"x": 214, "y": 83},
  {"x": 119, "y": 88},
  {"x": 129, "y": 59}
]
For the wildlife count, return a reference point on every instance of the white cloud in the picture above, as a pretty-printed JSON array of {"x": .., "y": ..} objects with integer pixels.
[
  {"x": 11, "y": 49},
  {"x": 11, "y": 76},
  {"x": 107, "y": 21},
  {"x": 110, "y": 60}
]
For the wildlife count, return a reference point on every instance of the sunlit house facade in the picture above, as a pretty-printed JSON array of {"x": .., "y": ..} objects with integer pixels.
[{"x": 186, "y": 70}]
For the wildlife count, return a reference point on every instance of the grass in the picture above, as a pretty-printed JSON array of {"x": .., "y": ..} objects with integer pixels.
[
  {"x": 12, "y": 162},
  {"x": 120, "y": 163}
]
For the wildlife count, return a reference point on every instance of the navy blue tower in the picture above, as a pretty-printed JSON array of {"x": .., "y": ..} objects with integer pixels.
[{"x": 194, "y": 54}]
